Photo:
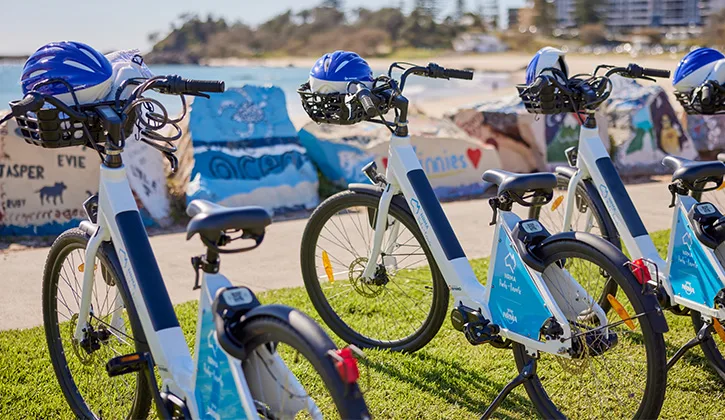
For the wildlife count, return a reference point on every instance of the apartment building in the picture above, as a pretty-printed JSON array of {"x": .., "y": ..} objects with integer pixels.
[{"x": 626, "y": 14}]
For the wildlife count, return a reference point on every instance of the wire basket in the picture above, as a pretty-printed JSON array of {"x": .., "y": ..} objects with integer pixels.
[
  {"x": 692, "y": 104},
  {"x": 542, "y": 102},
  {"x": 52, "y": 129},
  {"x": 332, "y": 108}
]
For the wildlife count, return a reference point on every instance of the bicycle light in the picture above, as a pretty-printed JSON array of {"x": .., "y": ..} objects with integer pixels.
[
  {"x": 346, "y": 365},
  {"x": 641, "y": 271}
]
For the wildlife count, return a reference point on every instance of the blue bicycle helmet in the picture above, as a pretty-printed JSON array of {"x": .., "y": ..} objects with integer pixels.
[
  {"x": 695, "y": 67},
  {"x": 546, "y": 57},
  {"x": 333, "y": 71},
  {"x": 86, "y": 70}
]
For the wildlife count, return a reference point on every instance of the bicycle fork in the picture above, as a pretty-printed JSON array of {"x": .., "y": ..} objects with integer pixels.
[
  {"x": 98, "y": 235},
  {"x": 381, "y": 222}
]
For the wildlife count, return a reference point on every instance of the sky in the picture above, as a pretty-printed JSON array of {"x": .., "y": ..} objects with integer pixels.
[{"x": 128, "y": 25}]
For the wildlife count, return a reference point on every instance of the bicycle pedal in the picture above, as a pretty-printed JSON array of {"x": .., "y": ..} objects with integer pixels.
[{"x": 128, "y": 363}]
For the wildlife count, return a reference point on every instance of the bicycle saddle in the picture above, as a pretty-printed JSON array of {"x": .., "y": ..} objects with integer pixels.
[
  {"x": 694, "y": 172},
  {"x": 209, "y": 220},
  {"x": 520, "y": 184}
]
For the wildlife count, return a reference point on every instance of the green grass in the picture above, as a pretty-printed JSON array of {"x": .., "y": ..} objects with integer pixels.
[{"x": 447, "y": 379}]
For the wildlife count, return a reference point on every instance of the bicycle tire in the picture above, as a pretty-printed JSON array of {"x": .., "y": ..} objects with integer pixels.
[
  {"x": 310, "y": 340},
  {"x": 593, "y": 202},
  {"x": 440, "y": 293},
  {"x": 62, "y": 247},
  {"x": 709, "y": 347},
  {"x": 656, "y": 376}
]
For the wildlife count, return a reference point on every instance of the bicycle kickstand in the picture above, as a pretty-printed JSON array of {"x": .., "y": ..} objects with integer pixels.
[
  {"x": 702, "y": 335},
  {"x": 526, "y": 373}
]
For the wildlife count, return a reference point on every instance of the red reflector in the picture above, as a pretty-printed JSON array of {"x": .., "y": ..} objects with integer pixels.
[
  {"x": 347, "y": 367},
  {"x": 641, "y": 271}
]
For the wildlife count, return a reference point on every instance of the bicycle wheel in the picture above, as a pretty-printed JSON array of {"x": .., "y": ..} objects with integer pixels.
[
  {"x": 714, "y": 348},
  {"x": 80, "y": 367},
  {"x": 315, "y": 371},
  {"x": 403, "y": 306},
  {"x": 589, "y": 215},
  {"x": 616, "y": 375}
]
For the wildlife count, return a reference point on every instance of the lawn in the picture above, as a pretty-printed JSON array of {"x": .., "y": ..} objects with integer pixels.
[{"x": 447, "y": 379}]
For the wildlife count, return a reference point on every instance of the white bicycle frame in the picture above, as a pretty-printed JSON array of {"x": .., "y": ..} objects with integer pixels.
[
  {"x": 549, "y": 291},
  {"x": 593, "y": 162},
  {"x": 213, "y": 384}
]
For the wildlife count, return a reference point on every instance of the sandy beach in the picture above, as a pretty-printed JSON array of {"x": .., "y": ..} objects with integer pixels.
[{"x": 513, "y": 63}]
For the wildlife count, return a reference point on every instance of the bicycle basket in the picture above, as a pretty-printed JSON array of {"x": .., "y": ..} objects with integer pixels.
[
  {"x": 331, "y": 108},
  {"x": 51, "y": 128},
  {"x": 692, "y": 104},
  {"x": 542, "y": 102}
]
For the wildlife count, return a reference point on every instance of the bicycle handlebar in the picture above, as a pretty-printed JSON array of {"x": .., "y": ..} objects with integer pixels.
[{"x": 176, "y": 85}]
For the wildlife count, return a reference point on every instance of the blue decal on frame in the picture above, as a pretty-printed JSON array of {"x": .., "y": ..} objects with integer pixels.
[
  {"x": 216, "y": 390},
  {"x": 515, "y": 302},
  {"x": 691, "y": 274}
]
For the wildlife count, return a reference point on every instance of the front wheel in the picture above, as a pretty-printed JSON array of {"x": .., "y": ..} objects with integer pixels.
[
  {"x": 714, "y": 347},
  {"x": 589, "y": 215},
  {"x": 405, "y": 303},
  {"x": 317, "y": 389},
  {"x": 80, "y": 365},
  {"x": 619, "y": 374}
]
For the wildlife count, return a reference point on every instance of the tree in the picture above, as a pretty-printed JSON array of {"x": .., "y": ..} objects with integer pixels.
[
  {"x": 460, "y": 9},
  {"x": 544, "y": 16},
  {"x": 335, "y": 4},
  {"x": 304, "y": 15},
  {"x": 587, "y": 12},
  {"x": 426, "y": 7}
]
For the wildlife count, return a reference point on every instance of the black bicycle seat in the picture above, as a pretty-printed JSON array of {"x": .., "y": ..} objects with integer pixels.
[
  {"x": 693, "y": 172},
  {"x": 520, "y": 184},
  {"x": 209, "y": 220}
]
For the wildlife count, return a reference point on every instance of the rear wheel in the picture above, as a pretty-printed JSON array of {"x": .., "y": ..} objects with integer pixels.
[
  {"x": 80, "y": 366},
  {"x": 589, "y": 215},
  {"x": 316, "y": 376},
  {"x": 616, "y": 375},
  {"x": 403, "y": 306}
]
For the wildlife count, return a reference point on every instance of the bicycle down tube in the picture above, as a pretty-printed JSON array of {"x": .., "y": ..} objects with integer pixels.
[
  {"x": 593, "y": 162},
  {"x": 406, "y": 175},
  {"x": 119, "y": 221}
]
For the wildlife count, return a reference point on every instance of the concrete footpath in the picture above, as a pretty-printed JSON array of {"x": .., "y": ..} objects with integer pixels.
[{"x": 275, "y": 264}]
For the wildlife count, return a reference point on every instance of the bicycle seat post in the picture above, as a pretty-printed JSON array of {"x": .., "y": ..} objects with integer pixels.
[{"x": 208, "y": 263}]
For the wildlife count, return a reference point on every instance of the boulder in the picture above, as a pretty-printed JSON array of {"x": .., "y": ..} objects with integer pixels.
[
  {"x": 644, "y": 128},
  {"x": 247, "y": 152},
  {"x": 453, "y": 161}
]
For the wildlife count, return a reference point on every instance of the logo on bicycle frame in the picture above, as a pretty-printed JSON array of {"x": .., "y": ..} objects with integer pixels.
[
  {"x": 510, "y": 316},
  {"x": 416, "y": 205},
  {"x": 510, "y": 262},
  {"x": 687, "y": 288}
]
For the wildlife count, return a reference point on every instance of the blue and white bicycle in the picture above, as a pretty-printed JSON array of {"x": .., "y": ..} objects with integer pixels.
[
  {"x": 592, "y": 198},
  {"x": 111, "y": 329},
  {"x": 381, "y": 260}
]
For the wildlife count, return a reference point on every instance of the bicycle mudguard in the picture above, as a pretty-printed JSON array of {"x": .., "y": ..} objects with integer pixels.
[
  {"x": 649, "y": 300},
  {"x": 234, "y": 344},
  {"x": 377, "y": 191}
]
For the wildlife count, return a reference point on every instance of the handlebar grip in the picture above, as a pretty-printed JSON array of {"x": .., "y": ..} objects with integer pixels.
[
  {"x": 32, "y": 102},
  {"x": 209, "y": 86},
  {"x": 664, "y": 74},
  {"x": 367, "y": 102},
  {"x": 458, "y": 74},
  {"x": 706, "y": 95}
]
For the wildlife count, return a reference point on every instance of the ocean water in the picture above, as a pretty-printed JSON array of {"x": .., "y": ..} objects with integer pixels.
[{"x": 286, "y": 78}]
